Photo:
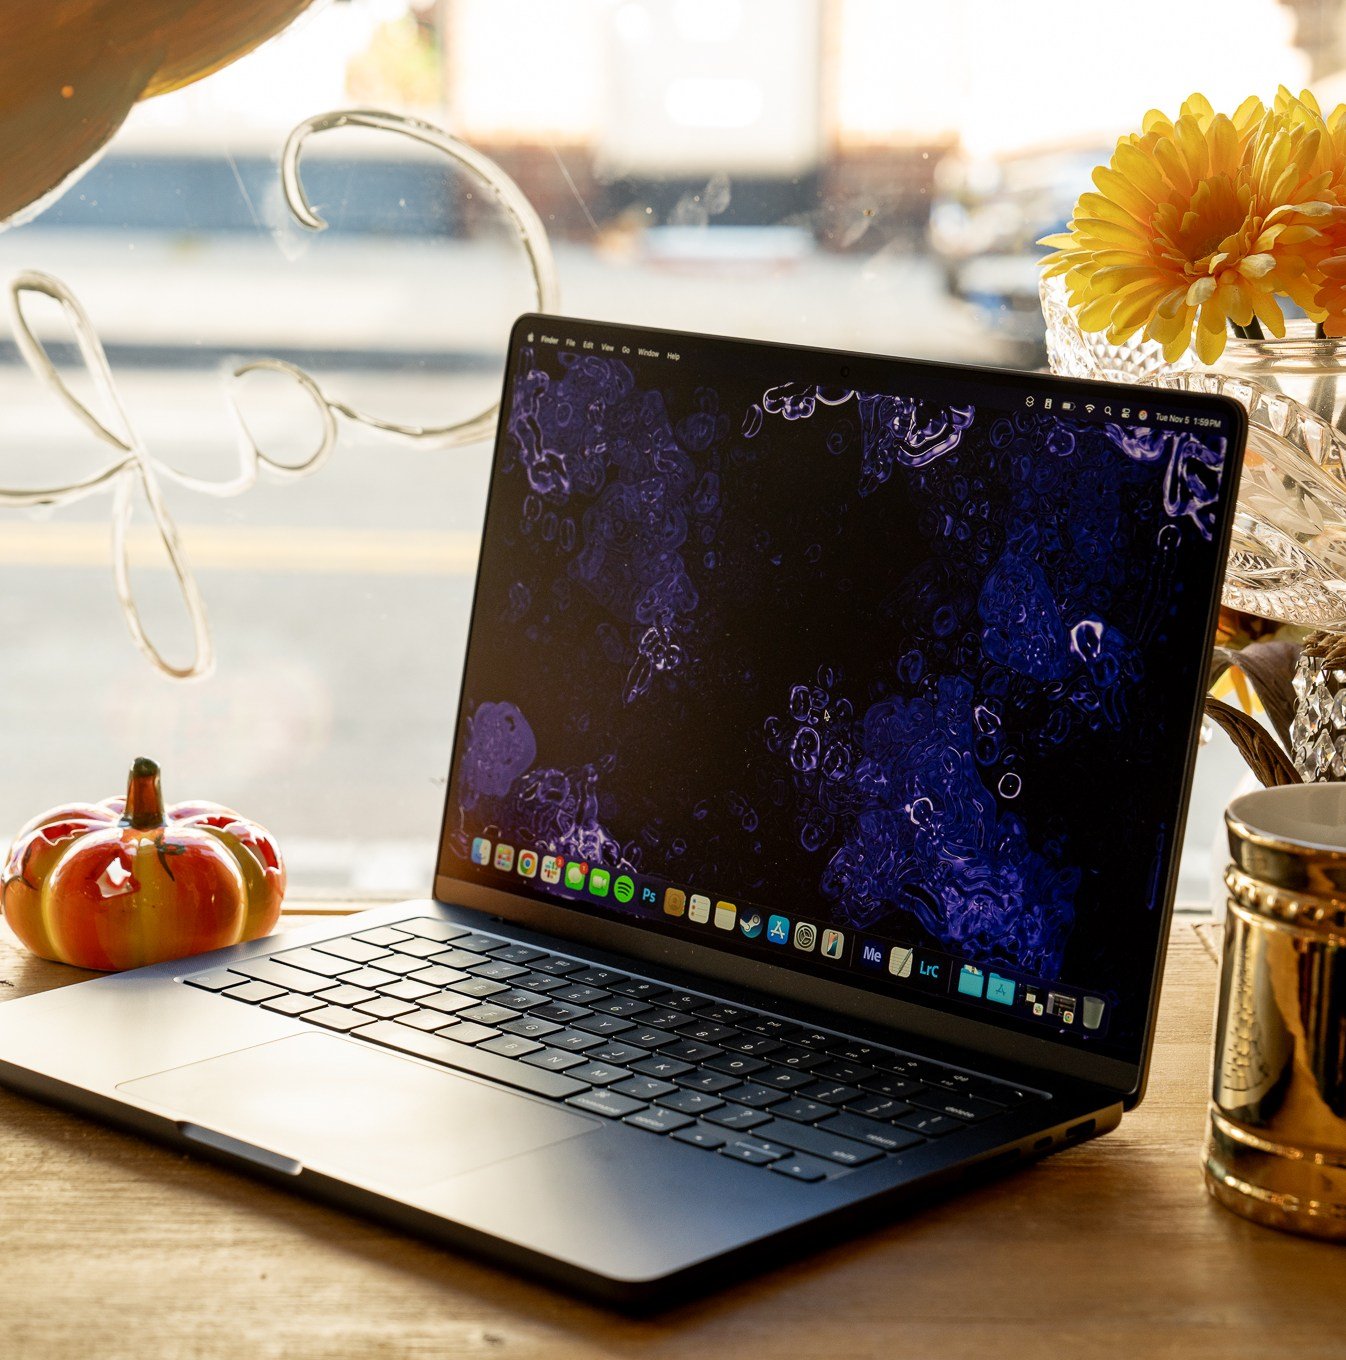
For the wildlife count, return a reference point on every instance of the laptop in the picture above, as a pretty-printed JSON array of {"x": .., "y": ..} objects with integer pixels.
[{"x": 820, "y": 770}]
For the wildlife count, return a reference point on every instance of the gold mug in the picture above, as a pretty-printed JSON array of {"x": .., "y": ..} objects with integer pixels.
[{"x": 1275, "y": 1146}]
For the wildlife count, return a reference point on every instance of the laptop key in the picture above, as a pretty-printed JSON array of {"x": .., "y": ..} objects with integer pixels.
[
  {"x": 401, "y": 964},
  {"x": 368, "y": 977},
  {"x": 690, "y": 1102},
  {"x": 707, "y": 1032},
  {"x": 757, "y": 1045},
  {"x": 287, "y": 1003},
  {"x": 382, "y": 936},
  {"x": 644, "y": 1088},
  {"x": 830, "y": 1092},
  {"x": 803, "y": 1111},
  {"x": 802, "y": 1059},
  {"x": 624, "y": 1006},
  {"x": 644, "y": 1037},
  {"x": 896, "y": 1088},
  {"x": 970, "y": 1109},
  {"x": 884, "y": 1136},
  {"x": 619, "y": 1054},
  {"x": 429, "y": 929},
  {"x": 357, "y": 951},
  {"x": 538, "y": 982},
  {"x": 518, "y": 953},
  {"x": 874, "y": 1106},
  {"x": 688, "y": 1050},
  {"x": 783, "y": 1078},
  {"x": 666, "y": 1019},
  {"x": 337, "y": 1018},
  {"x": 422, "y": 1019},
  {"x": 574, "y": 1040},
  {"x": 602, "y": 1024},
  {"x": 702, "y": 1136},
  {"x": 343, "y": 994},
  {"x": 468, "y": 1032},
  {"x": 598, "y": 977},
  {"x": 253, "y": 992},
  {"x": 929, "y": 1123},
  {"x": 530, "y": 1027},
  {"x": 658, "y": 1121},
  {"x": 557, "y": 966},
  {"x": 576, "y": 994},
  {"x": 497, "y": 969},
  {"x": 639, "y": 988},
  {"x": 311, "y": 961},
  {"x": 553, "y": 1059},
  {"x": 840, "y": 1070},
  {"x": 600, "y": 1074},
  {"x": 738, "y": 1117},
  {"x": 736, "y": 1064},
  {"x": 707, "y": 1081},
  {"x": 479, "y": 944},
  {"x": 455, "y": 958},
  {"x": 449, "y": 1003},
  {"x": 752, "y": 1094},
  {"x": 684, "y": 1001},
  {"x": 438, "y": 1048},
  {"x": 660, "y": 1066},
  {"x": 818, "y": 1039},
  {"x": 488, "y": 1014},
  {"x": 436, "y": 975},
  {"x": 560, "y": 1012},
  {"x": 267, "y": 970},
  {"x": 607, "y": 1103},
  {"x": 517, "y": 999},
  {"x": 407, "y": 990},
  {"x": 771, "y": 1025},
  {"x": 801, "y": 1168},
  {"x": 511, "y": 1046},
  {"x": 830, "y": 1146},
  {"x": 478, "y": 987},
  {"x": 389, "y": 1008},
  {"x": 747, "y": 1152},
  {"x": 983, "y": 1087},
  {"x": 221, "y": 978}
]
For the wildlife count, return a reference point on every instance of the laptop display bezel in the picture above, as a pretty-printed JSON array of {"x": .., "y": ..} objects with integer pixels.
[{"x": 829, "y": 993}]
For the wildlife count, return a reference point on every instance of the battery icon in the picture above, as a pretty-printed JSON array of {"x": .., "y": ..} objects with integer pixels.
[{"x": 1067, "y": 405}]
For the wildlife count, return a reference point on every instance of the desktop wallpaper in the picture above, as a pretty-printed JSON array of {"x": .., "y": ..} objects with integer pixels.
[{"x": 917, "y": 663}]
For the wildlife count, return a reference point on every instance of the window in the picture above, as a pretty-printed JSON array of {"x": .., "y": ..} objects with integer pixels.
[{"x": 864, "y": 173}]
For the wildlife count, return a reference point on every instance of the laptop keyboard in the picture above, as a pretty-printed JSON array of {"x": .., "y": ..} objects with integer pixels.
[{"x": 743, "y": 1083}]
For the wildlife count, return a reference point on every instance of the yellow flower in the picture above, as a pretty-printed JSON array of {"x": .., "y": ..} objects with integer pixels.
[
  {"x": 1328, "y": 246},
  {"x": 1197, "y": 222}
]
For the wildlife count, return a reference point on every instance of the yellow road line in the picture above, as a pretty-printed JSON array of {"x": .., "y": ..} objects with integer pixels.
[{"x": 280, "y": 548}]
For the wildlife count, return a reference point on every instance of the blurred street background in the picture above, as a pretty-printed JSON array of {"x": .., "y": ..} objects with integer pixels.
[{"x": 870, "y": 174}]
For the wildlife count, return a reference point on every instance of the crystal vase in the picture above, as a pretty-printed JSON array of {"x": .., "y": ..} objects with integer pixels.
[
  {"x": 1287, "y": 560},
  {"x": 1287, "y": 556}
]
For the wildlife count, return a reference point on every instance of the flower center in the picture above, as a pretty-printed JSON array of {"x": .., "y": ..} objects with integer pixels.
[{"x": 1217, "y": 212}]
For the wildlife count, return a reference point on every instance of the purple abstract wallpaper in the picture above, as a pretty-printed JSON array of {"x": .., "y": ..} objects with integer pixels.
[{"x": 919, "y": 664}]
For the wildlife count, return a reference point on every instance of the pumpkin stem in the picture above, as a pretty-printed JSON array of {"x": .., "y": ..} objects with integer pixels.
[{"x": 144, "y": 797}]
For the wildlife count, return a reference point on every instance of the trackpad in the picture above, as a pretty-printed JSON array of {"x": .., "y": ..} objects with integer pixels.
[{"x": 370, "y": 1115}]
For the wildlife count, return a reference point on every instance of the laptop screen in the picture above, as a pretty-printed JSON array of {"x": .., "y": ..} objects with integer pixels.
[{"x": 882, "y": 671}]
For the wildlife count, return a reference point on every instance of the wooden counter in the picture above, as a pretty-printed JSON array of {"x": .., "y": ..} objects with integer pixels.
[{"x": 111, "y": 1247}]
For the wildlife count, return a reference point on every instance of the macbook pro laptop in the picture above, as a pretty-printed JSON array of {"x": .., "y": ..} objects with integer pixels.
[{"x": 820, "y": 770}]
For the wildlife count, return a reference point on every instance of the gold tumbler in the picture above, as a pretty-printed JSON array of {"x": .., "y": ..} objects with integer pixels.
[{"x": 1276, "y": 1138}]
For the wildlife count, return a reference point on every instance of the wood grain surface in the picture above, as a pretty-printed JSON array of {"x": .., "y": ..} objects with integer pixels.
[{"x": 111, "y": 1247}]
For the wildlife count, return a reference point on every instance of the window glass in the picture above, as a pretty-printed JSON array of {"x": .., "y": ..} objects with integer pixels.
[{"x": 870, "y": 174}]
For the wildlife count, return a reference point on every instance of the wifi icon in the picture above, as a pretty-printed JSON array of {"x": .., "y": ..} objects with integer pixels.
[{"x": 1089, "y": 409}]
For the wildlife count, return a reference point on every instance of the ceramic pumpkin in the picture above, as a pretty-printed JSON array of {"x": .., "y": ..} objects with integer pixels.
[{"x": 124, "y": 882}]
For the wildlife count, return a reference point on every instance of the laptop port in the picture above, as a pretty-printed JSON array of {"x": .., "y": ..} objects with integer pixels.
[{"x": 1081, "y": 1130}]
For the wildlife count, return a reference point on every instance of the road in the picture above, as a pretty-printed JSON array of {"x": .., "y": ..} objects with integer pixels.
[{"x": 339, "y": 602}]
